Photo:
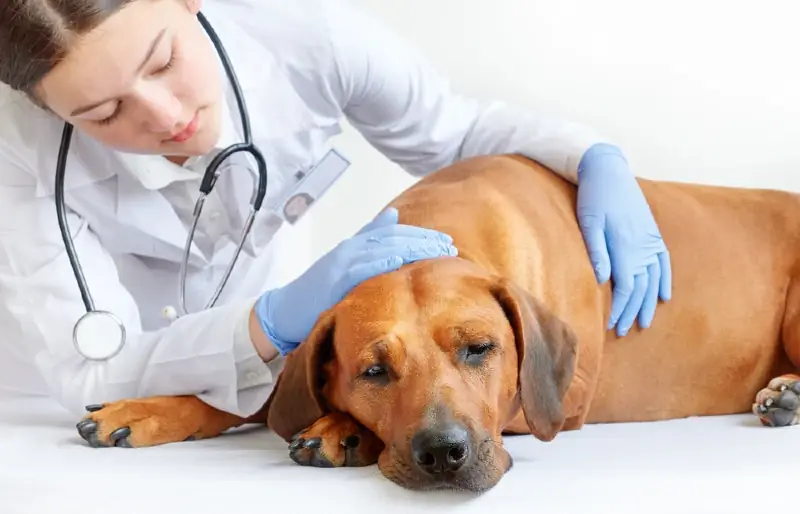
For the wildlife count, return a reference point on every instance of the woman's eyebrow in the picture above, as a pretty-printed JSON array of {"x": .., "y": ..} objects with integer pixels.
[{"x": 147, "y": 56}]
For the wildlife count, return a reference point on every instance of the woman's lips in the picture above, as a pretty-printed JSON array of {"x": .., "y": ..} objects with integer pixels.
[{"x": 186, "y": 133}]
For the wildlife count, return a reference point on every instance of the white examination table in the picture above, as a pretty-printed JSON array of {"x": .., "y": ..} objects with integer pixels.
[{"x": 723, "y": 465}]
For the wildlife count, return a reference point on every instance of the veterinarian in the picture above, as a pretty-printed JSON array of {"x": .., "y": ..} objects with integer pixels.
[{"x": 153, "y": 101}]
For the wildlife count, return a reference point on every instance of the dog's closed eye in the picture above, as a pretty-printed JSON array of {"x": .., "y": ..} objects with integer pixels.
[{"x": 475, "y": 354}]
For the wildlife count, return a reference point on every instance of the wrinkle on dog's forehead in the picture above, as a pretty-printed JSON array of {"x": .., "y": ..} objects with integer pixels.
[{"x": 445, "y": 300}]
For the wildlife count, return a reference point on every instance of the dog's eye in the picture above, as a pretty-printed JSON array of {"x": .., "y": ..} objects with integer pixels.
[
  {"x": 476, "y": 353},
  {"x": 376, "y": 373}
]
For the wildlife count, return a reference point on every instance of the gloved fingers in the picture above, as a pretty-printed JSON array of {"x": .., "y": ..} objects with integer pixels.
[
  {"x": 593, "y": 230},
  {"x": 406, "y": 248},
  {"x": 665, "y": 286},
  {"x": 387, "y": 217},
  {"x": 633, "y": 305},
  {"x": 651, "y": 296},
  {"x": 623, "y": 289},
  {"x": 364, "y": 271},
  {"x": 380, "y": 234},
  {"x": 375, "y": 262}
]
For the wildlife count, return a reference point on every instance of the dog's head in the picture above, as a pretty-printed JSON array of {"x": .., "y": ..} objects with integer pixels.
[{"x": 435, "y": 359}]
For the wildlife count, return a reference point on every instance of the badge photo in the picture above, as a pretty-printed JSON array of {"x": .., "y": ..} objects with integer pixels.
[{"x": 311, "y": 185}]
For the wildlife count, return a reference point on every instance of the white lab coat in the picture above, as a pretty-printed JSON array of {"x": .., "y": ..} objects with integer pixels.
[{"x": 303, "y": 65}]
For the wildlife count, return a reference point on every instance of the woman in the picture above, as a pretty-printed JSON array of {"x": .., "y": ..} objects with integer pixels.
[{"x": 145, "y": 90}]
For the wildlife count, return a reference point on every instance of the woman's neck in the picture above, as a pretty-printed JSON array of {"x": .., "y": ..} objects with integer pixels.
[{"x": 177, "y": 159}]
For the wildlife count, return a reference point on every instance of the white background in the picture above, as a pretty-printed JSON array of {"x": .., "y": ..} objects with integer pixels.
[{"x": 692, "y": 90}]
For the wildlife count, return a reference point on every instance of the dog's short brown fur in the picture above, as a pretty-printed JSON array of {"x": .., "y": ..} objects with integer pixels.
[{"x": 423, "y": 369}]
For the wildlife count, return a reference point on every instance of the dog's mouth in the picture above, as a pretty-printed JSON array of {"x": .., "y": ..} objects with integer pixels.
[{"x": 481, "y": 470}]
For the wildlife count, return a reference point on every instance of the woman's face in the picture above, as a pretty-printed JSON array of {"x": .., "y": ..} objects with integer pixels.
[
  {"x": 296, "y": 205},
  {"x": 144, "y": 81}
]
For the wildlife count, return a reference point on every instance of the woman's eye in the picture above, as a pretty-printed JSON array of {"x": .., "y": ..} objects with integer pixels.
[
  {"x": 107, "y": 120},
  {"x": 166, "y": 66}
]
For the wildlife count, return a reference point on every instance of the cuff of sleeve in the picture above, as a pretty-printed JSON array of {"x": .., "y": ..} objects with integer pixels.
[
  {"x": 598, "y": 151},
  {"x": 251, "y": 371},
  {"x": 585, "y": 150},
  {"x": 262, "y": 309}
]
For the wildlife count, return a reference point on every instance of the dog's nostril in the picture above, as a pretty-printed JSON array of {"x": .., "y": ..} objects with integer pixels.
[
  {"x": 427, "y": 459},
  {"x": 456, "y": 453},
  {"x": 440, "y": 449}
]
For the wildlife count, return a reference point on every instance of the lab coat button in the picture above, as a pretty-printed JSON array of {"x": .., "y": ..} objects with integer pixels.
[{"x": 252, "y": 376}]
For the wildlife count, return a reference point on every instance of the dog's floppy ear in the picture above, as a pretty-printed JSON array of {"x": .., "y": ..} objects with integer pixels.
[
  {"x": 546, "y": 349},
  {"x": 296, "y": 402}
]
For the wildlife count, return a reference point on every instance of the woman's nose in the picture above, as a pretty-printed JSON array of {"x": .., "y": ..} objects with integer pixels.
[{"x": 161, "y": 110}]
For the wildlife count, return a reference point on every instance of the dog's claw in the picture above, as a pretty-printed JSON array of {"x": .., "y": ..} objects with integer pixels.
[
  {"x": 88, "y": 431},
  {"x": 120, "y": 437},
  {"x": 94, "y": 407},
  {"x": 86, "y": 427},
  {"x": 313, "y": 443}
]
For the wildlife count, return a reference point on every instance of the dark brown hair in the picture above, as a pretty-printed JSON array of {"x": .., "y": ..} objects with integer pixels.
[{"x": 36, "y": 34}]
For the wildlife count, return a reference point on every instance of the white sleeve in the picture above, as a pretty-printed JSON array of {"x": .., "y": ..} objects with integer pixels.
[
  {"x": 208, "y": 354},
  {"x": 406, "y": 110}
]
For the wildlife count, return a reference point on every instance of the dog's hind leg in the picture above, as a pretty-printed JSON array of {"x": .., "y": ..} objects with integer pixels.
[{"x": 778, "y": 404}]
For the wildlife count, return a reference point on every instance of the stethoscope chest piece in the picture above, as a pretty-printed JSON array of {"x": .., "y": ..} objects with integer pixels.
[{"x": 98, "y": 335}]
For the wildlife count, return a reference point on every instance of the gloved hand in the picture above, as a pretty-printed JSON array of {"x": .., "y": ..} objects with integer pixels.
[
  {"x": 288, "y": 314},
  {"x": 621, "y": 237}
]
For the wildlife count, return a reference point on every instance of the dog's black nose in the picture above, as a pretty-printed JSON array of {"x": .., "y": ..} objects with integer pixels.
[{"x": 441, "y": 449}]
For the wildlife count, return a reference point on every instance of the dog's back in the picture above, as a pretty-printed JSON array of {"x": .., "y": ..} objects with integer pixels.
[{"x": 734, "y": 259}]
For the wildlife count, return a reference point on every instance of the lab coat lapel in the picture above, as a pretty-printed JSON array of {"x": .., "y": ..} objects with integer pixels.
[
  {"x": 125, "y": 214},
  {"x": 146, "y": 214},
  {"x": 280, "y": 120},
  {"x": 281, "y": 124},
  {"x": 82, "y": 149}
]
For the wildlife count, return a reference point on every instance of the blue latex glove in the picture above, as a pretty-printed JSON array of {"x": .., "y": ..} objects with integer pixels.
[
  {"x": 622, "y": 237},
  {"x": 288, "y": 314}
]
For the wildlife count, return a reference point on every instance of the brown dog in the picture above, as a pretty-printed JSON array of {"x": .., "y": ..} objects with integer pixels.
[{"x": 423, "y": 369}]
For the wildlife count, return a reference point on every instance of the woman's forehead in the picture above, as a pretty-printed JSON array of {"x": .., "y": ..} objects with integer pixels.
[
  {"x": 108, "y": 57},
  {"x": 128, "y": 32}
]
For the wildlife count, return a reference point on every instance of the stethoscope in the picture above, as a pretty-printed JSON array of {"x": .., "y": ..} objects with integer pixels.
[{"x": 100, "y": 335}]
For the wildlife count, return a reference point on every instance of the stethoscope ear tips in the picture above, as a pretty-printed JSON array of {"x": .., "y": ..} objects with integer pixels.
[{"x": 169, "y": 313}]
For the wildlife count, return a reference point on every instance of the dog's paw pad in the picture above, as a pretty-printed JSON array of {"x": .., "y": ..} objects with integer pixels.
[{"x": 778, "y": 404}]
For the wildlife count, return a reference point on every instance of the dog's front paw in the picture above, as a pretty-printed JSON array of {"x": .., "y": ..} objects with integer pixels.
[
  {"x": 151, "y": 421},
  {"x": 778, "y": 404},
  {"x": 334, "y": 441}
]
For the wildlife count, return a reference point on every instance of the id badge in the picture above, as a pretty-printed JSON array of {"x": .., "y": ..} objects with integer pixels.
[{"x": 310, "y": 185}]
